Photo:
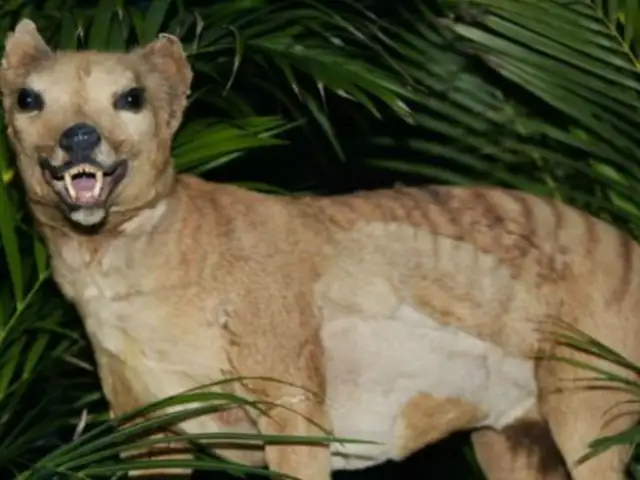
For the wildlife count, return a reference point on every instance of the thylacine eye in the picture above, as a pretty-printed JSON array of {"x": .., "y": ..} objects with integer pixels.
[
  {"x": 29, "y": 100},
  {"x": 131, "y": 100}
]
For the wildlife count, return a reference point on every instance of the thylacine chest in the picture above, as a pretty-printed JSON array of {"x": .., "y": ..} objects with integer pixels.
[{"x": 161, "y": 333}]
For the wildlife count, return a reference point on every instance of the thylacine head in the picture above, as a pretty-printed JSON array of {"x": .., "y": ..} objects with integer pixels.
[{"x": 92, "y": 130}]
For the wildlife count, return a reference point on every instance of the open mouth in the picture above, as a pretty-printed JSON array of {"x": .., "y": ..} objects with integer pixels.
[{"x": 85, "y": 184}]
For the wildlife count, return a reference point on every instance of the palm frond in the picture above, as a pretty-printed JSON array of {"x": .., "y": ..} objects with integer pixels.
[{"x": 503, "y": 88}]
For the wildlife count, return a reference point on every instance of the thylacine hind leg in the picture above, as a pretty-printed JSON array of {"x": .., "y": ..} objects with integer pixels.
[
  {"x": 577, "y": 415},
  {"x": 524, "y": 450}
]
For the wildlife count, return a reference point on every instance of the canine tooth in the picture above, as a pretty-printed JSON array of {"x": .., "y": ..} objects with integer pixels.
[
  {"x": 98, "y": 187},
  {"x": 69, "y": 185},
  {"x": 74, "y": 170}
]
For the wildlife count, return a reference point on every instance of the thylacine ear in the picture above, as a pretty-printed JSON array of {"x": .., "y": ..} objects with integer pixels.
[
  {"x": 166, "y": 58},
  {"x": 24, "y": 49}
]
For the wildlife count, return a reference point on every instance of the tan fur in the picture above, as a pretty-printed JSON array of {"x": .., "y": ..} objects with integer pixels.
[
  {"x": 399, "y": 315},
  {"x": 524, "y": 450},
  {"x": 426, "y": 419}
]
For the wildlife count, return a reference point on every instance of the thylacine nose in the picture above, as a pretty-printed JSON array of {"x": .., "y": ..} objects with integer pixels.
[{"x": 79, "y": 137}]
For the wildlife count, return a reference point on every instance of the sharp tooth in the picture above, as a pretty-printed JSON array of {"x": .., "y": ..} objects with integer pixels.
[
  {"x": 98, "y": 187},
  {"x": 69, "y": 185}
]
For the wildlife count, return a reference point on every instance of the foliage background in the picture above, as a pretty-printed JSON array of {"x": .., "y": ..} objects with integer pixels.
[{"x": 328, "y": 97}]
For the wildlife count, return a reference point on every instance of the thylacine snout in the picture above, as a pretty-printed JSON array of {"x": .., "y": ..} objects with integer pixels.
[{"x": 85, "y": 180}]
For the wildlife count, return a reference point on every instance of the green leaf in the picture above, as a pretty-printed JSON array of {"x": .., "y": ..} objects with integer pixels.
[
  {"x": 154, "y": 19},
  {"x": 41, "y": 257},
  {"x": 101, "y": 25},
  {"x": 10, "y": 361},
  {"x": 68, "y": 32},
  {"x": 35, "y": 354},
  {"x": 8, "y": 234}
]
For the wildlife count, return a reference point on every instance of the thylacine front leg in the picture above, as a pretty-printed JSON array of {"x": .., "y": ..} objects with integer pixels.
[
  {"x": 289, "y": 354},
  {"x": 298, "y": 416},
  {"x": 123, "y": 400}
]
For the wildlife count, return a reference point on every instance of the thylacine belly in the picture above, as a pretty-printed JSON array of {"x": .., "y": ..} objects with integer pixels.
[{"x": 376, "y": 366}]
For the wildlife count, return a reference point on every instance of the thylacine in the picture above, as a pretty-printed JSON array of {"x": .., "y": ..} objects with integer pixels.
[{"x": 412, "y": 313}]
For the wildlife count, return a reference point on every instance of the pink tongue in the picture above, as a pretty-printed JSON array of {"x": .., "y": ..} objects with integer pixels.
[
  {"x": 83, "y": 184},
  {"x": 84, "y": 187}
]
